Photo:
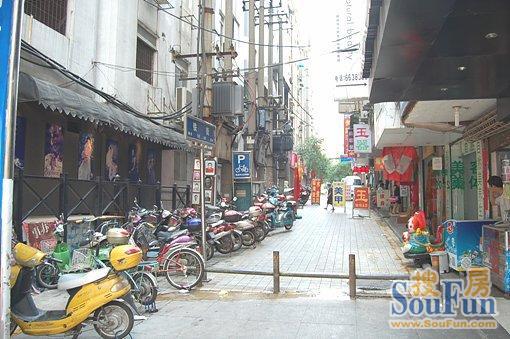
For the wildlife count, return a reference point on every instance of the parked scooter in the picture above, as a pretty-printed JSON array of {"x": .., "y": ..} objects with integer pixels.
[
  {"x": 100, "y": 297},
  {"x": 279, "y": 214}
]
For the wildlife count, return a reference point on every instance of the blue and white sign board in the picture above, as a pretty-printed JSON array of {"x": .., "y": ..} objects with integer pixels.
[
  {"x": 198, "y": 130},
  {"x": 241, "y": 165}
]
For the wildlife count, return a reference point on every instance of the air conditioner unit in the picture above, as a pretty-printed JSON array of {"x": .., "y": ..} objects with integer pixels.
[{"x": 183, "y": 97}]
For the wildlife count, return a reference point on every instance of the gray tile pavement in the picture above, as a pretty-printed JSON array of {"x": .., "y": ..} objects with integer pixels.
[{"x": 320, "y": 242}]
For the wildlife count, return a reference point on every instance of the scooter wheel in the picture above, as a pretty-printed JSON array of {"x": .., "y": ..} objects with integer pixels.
[
  {"x": 114, "y": 320},
  {"x": 209, "y": 251},
  {"x": 248, "y": 238},
  {"x": 288, "y": 227},
  {"x": 260, "y": 234},
  {"x": 225, "y": 245},
  {"x": 238, "y": 240}
]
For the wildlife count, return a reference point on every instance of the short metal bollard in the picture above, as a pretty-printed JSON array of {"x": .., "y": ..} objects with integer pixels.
[
  {"x": 352, "y": 276},
  {"x": 276, "y": 272}
]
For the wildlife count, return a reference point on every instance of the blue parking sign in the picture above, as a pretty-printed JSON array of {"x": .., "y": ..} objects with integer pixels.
[{"x": 241, "y": 165}]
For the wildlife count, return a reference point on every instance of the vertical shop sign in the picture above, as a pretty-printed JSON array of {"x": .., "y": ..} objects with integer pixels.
[
  {"x": 316, "y": 192},
  {"x": 457, "y": 175},
  {"x": 482, "y": 157},
  {"x": 347, "y": 124},
  {"x": 448, "y": 201},
  {"x": 338, "y": 194},
  {"x": 361, "y": 198},
  {"x": 362, "y": 138}
]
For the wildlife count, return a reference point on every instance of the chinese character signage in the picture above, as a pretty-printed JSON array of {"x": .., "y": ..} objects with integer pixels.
[
  {"x": 362, "y": 138},
  {"x": 338, "y": 194},
  {"x": 361, "y": 198},
  {"x": 316, "y": 192},
  {"x": 383, "y": 198},
  {"x": 241, "y": 165},
  {"x": 200, "y": 131},
  {"x": 347, "y": 125}
]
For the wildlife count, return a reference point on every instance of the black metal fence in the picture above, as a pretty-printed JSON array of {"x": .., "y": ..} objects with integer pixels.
[{"x": 42, "y": 196}]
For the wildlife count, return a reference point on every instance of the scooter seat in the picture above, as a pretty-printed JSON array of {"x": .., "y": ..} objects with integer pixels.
[
  {"x": 218, "y": 223},
  {"x": 169, "y": 236},
  {"x": 73, "y": 280}
]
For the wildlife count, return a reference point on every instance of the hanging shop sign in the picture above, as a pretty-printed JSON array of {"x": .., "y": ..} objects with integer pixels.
[
  {"x": 338, "y": 194},
  {"x": 362, "y": 138},
  {"x": 316, "y": 192},
  {"x": 398, "y": 163},
  {"x": 382, "y": 198},
  {"x": 404, "y": 191},
  {"x": 241, "y": 165},
  {"x": 437, "y": 164},
  {"x": 361, "y": 169},
  {"x": 378, "y": 164},
  {"x": 361, "y": 198},
  {"x": 346, "y": 159},
  {"x": 347, "y": 125}
]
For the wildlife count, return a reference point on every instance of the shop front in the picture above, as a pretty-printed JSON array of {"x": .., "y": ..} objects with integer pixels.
[{"x": 76, "y": 157}]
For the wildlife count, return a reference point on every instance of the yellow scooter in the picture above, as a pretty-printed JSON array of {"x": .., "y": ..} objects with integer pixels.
[{"x": 100, "y": 297}]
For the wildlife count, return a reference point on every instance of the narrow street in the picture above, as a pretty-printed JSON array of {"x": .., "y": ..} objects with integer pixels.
[{"x": 320, "y": 242}]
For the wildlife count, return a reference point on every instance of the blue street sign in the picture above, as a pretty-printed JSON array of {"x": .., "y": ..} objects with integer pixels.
[
  {"x": 241, "y": 165},
  {"x": 199, "y": 130},
  {"x": 346, "y": 160}
]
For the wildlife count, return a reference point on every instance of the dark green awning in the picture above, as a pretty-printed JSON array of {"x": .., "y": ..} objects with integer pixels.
[{"x": 32, "y": 89}]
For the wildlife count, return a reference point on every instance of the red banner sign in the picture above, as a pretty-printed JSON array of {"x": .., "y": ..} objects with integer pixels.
[
  {"x": 316, "y": 192},
  {"x": 361, "y": 198},
  {"x": 41, "y": 235},
  {"x": 347, "y": 125}
]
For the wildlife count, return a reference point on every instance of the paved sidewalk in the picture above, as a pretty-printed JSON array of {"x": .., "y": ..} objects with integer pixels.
[
  {"x": 262, "y": 315},
  {"x": 320, "y": 242}
]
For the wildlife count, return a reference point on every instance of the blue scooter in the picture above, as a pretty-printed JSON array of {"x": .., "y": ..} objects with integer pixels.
[{"x": 279, "y": 214}]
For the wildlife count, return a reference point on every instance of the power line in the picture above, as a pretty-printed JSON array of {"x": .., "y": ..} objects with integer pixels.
[
  {"x": 219, "y": 34},
  {"x": 126, "y": 68}
]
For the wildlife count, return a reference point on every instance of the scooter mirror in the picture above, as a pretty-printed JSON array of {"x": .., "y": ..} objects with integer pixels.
[{"x": 235, "y": 199}]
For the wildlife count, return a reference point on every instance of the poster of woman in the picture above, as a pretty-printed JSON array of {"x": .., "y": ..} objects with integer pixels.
[
  {"x": 53, "y": 151},
  {"x": 112, "y": 159},
  {"x": 85, "y": 156},
  {"x": 151, "y": 166},
  {"x": 135, "y": 152}
]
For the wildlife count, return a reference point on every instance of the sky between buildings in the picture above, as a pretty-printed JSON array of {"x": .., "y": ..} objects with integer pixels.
[{"x": 318, "y": 20}]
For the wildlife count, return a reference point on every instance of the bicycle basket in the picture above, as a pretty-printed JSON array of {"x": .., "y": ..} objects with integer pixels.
[{"x": 83, "y": 259}]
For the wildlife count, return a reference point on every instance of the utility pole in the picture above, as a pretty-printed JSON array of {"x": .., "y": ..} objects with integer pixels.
[
  {"x": 270, "y": 51},
  {"x": 229, "y": 33},
  {"x": 261, "y": 87},
  {"x": 252, "y": 92},
  {"x": 280, "y": 64},
  {"x": 208, "y": 19}
]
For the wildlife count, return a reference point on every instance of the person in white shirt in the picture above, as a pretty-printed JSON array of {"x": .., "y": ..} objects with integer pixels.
[{"x": 498, "y": 198}]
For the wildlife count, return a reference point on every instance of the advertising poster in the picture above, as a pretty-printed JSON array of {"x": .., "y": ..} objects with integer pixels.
[
  {"x": 19, "y": 152},
  {"x": 383, "y": 198},
  {"x": 53, "y": 151},
  {"x": 196, "y": 186},
  {"x": 316, "y": 192},
  {"x": 210, "y": 167},
  {"x": 208, "y": 196},
  {"x": 361, "y": 198},
  {"x": 85, "y": 156},
  {"x": 195, "y": 198},
  {"x": 41, "y": 235},
  {"x": 347, "y": 125},
  {"x": 112, "y": 159},
  {"x": 151, "y": 167},
  {"x": 135, "y": 156},
  {"x": 338, "y": 194}
]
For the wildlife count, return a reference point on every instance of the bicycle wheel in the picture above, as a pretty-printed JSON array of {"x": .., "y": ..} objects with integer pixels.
[
  {"x": 184, "y": 268},
  {"x": 146, "y": 290},
  {"x": 47, "y": 275}
]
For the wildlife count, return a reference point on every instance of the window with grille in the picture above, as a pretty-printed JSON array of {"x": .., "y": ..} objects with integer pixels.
[
  {"x": 144, "y": 61},
  {"x": 52, "y": 13}
]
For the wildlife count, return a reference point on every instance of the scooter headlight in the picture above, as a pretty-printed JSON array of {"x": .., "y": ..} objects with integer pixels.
[{"x": 119, "y": 286}]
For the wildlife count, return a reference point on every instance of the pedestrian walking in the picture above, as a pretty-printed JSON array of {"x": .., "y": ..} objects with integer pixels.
[{"x": 330, "y": 198}]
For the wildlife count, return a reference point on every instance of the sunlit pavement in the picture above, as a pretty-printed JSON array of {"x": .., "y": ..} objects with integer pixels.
[{"x": 319, "y": 242}]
